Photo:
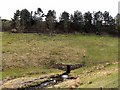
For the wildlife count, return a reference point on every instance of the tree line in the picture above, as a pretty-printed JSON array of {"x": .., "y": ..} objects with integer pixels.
[{"x": 38, "y": 22}]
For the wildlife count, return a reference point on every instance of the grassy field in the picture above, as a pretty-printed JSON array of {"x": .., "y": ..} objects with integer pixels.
[{"x": 33, "y": 54}]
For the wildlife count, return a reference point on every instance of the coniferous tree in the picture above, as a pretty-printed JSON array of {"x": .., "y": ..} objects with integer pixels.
[
  {"x": 25, "y": 19},
  {"x": 16, "y": 20},
  {"x": 98, "y": 16},
  {"x": 87, "y": 21},
  {"x": 50, "y": 21},
  {"x": 64, "y": 19},
  {"x": 77, "y": 20}
]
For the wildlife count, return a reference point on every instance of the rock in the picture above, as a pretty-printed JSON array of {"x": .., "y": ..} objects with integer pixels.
[
  {"x": 3, "y": 51},
  {"x": 90, "y": 71},
  {"x": 109, "y": 73},
  {"x": 102, "y": 66},
  {"x": 81, "y": 83},
  {"x": 89, "y": 82},
  {"x": 94, "y": 67},
  {"x": 14, "y": 30},
  {"x": 8, "y": 78},
  {"x": 15, "y": 54},
  {"x": 72, "y": 87},
  {"x": 98, "y": 68},
  {"x": 9, "y": 42},
  {"x": 43, "y": 72},
  {"x": 107, "y": 64},
  {"x": 115, "y": 62}
]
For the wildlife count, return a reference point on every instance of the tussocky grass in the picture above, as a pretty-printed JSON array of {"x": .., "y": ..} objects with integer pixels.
[{"x": 20, "y": 51}]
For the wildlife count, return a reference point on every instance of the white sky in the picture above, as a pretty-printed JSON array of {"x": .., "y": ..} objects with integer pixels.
[
  {"x": 119, "y": 7},
  {"x": 8, "y": 7}
]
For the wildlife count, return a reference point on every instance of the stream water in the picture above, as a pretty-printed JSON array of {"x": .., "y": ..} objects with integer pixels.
[
  {"x": 55, "y": 79},
  {"x": 49, "y": 82}
]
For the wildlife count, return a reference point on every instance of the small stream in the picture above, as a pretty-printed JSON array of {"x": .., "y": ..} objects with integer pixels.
[
  {"x": 54, "y": 79},
  {"x": 50, "y": 82}
]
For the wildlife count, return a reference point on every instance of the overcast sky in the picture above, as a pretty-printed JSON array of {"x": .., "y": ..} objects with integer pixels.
[
  {"x": 8, "y": 7},
  {"x": 119, "y": 7}
]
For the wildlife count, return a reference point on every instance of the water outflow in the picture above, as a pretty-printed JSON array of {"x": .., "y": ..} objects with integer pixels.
[{"x": 68, "y": 69}]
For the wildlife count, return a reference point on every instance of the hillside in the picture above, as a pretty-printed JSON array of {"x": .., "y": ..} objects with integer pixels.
[{"x": 32, "y": 55}]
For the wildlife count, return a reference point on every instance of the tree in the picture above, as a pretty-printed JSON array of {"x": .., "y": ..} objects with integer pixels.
[
  {"x": 96, "y": 22},
  {"x": 77, "y": 20},
  {"x": 6, "y": 25},
  {"x": 117, "y": 20},
  {"x": 111, "y": 25},
  {"x": 111, "y": 21},
  {"x": 64, "y": 19},
  {"x": 38, "y": 18},
  {"x": 16, "y": 20},
  {"x": 38, "y": 15},
  {"x": 98, "y": 16},
  {"x": 87, "y": 21},
  {"x": 25, "y": 18},
  {"x": 50, "y": 20},
  {"x": 106, "y": 17}
]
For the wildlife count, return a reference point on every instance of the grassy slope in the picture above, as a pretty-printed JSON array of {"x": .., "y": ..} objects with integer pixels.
[
  {"x": 25, "y": 54},
  {"x": 105, "y": 78}
]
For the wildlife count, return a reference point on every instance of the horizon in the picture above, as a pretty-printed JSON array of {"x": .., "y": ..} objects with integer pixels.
[{"x": 70, "y": 6}]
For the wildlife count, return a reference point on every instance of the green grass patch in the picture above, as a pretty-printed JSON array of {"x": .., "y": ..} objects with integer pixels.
[
  {"x": 107, "y": 78},
  {"x": 31, "y": 71}
]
